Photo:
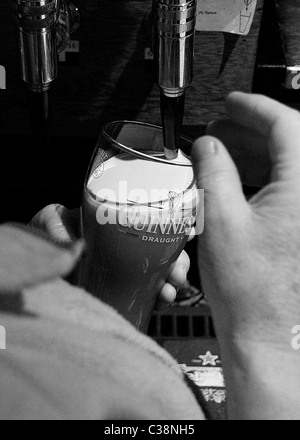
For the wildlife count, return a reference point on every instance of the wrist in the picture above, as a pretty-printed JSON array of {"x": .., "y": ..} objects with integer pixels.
[{"x": 263, "y": 382}]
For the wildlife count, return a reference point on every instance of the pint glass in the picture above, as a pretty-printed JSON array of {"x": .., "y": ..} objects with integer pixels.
[{"x": 138, "y": 210}]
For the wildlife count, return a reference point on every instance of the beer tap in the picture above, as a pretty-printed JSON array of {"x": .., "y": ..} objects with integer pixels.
[
  {"x": 174, "y": 36},
  {"x": 43, "y": 30}
]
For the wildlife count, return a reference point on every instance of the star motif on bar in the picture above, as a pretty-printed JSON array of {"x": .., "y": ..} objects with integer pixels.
[{"x": 209, "y": 359}]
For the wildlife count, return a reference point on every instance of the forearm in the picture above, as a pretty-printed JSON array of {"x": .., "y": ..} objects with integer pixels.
[{"x": 262, "y": 384}]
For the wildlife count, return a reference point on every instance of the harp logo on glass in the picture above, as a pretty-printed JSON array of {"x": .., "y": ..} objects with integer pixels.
[
  {"x": 2, "y": 338},
  {"x": 2, "y": 78}
]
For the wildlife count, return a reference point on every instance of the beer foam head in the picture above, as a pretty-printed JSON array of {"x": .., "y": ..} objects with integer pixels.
[{"x": 126, "y": 179}]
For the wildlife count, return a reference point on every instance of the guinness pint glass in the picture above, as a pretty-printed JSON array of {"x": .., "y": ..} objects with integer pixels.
[{"x": 138, "y": 210}]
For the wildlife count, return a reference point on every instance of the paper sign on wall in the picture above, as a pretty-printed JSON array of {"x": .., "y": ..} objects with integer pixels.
[{"x": 233, "y": 16}]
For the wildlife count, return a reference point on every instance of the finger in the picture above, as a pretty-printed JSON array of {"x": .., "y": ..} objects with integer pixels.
[
  {"x": 179, "y": 273},
  {"x": 167, "y": 297},
  {"x": 192, "y": 235},
  {"x": 278, "y": 123},
  {"x": 60, "y": 223},
  {"x": 248, "y": 149},
  {"x": 29, "y": 257},
  {"x": 217, "y": 174}
]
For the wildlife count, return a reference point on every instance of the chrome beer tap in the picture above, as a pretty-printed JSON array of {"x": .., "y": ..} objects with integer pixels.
[
  {"x": 174, "y": 36},
  {"x": 36, "y": 23},
  {"x": 44, "y": 28}
]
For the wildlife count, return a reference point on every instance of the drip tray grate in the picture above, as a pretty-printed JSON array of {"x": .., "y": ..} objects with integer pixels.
[{"x": 182, "y": 322}]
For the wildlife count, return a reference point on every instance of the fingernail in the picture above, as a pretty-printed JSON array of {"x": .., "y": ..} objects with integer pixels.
[{"x": 205, "y": 146}]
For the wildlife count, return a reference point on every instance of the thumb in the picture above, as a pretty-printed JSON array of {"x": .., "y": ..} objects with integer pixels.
[
  {"x": 58, "y": 222},
  {"x": 217, "y": 174}
]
